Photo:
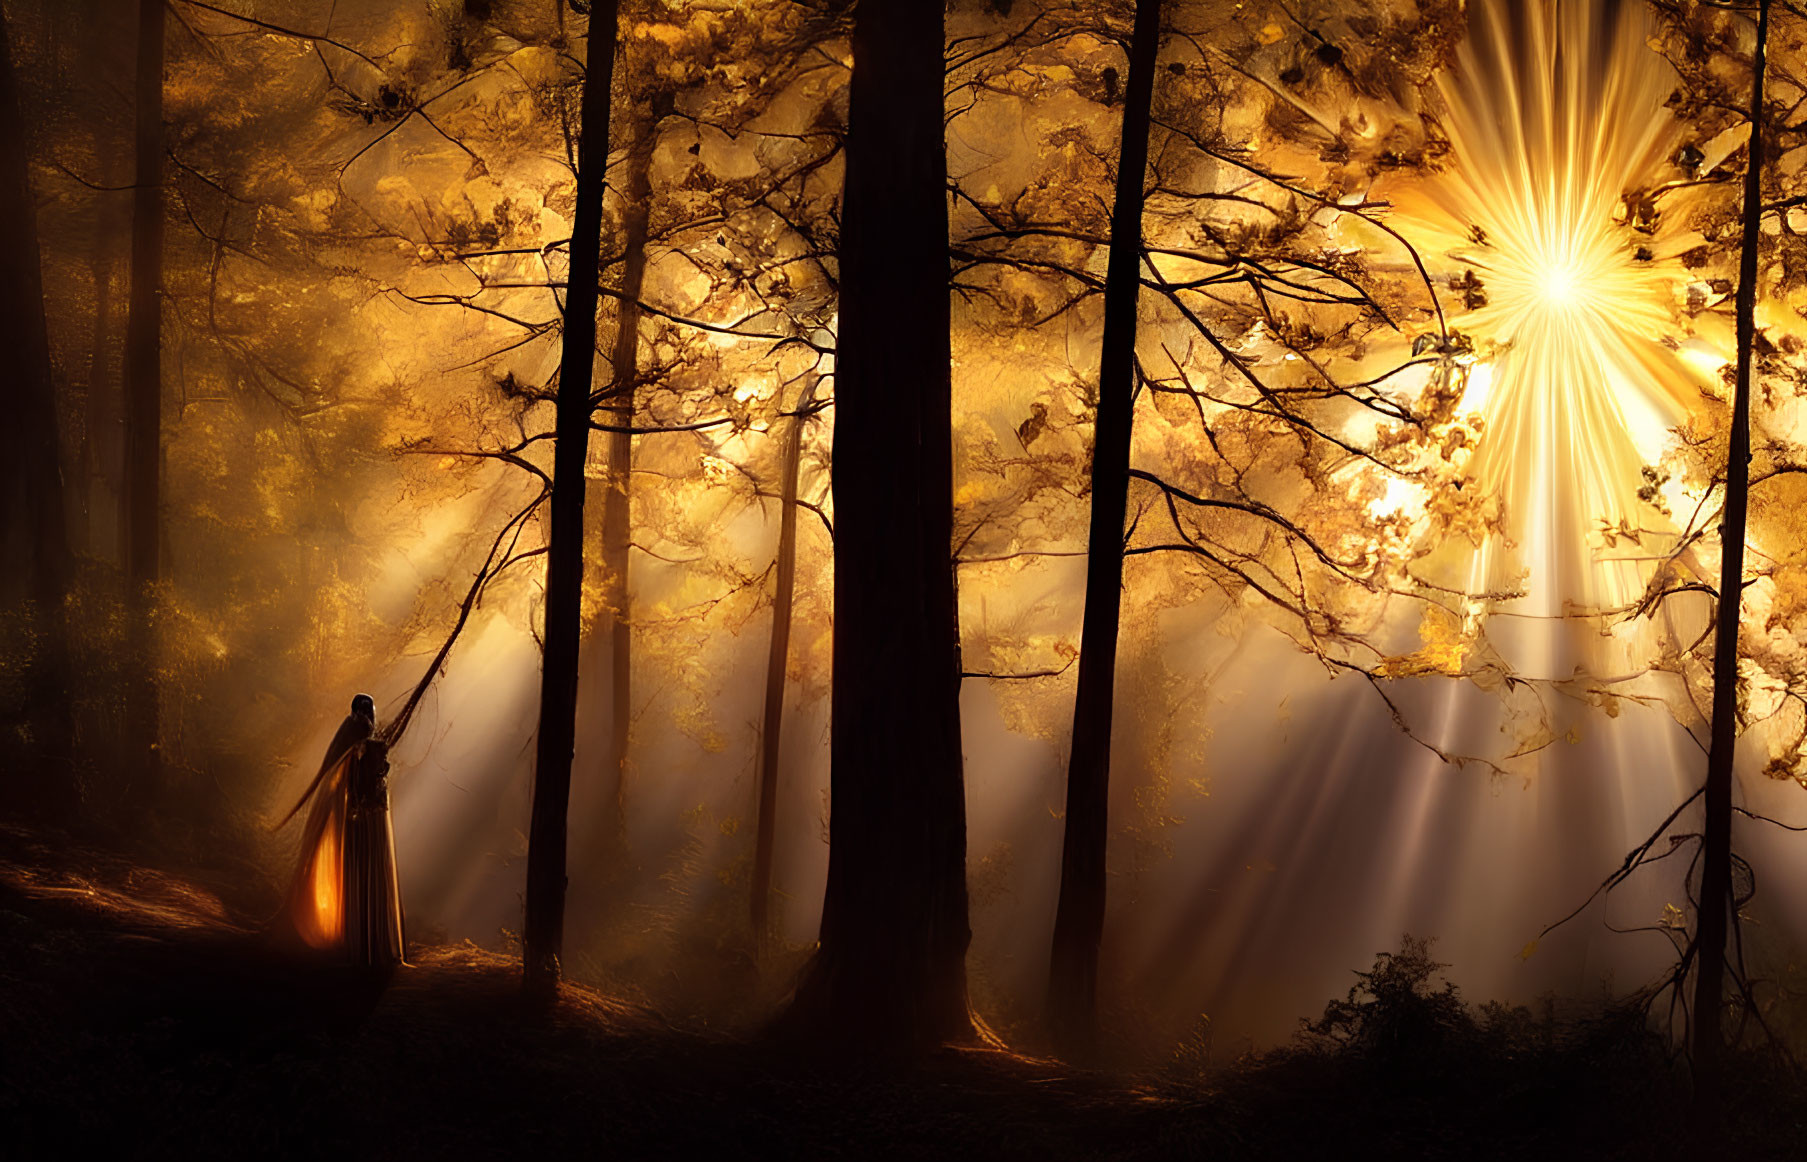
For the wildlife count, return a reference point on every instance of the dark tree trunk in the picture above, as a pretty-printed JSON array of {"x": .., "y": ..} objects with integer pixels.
[
  {"x": 619, "y": 409},
  {"x": 97, "y": 407},
  {"x": 34, "y": 535},
  {"x": 890, "y": 973},
  {"x": 545, "y": 926},
  {"x": 1716, "y": 856},
  {"x": 777, "y": 656},
  {"x": 144, "y": 409},
  {"x": 1079, "y": 920}
]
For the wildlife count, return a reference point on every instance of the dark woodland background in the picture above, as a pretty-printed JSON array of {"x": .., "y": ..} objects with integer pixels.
[{"x": 1062, "y": 401}]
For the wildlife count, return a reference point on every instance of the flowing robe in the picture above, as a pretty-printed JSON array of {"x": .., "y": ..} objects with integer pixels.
[
  {"x": 370, "y": 889},
  {"x": 346, "y": 896}
]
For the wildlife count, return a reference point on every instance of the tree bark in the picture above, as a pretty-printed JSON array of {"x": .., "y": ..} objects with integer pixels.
[
  {"x": 96, "y": 409},
  {"x": 890, "y": 972},
  {"x": 619, "y": 405},
  {"x": 1079, "y": 918},
  {"x": 543, "y": 937},
  {"x": 1716, "y": 856},
  {"x": 777, "y": 656},
  {"x": 144, "y": 410},
  {"x": 35, "y": 534}
]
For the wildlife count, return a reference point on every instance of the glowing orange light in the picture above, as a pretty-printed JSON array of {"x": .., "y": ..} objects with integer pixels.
[
  {"x": 321, "y": 918},
  {"x": 1564, "y": 301}
]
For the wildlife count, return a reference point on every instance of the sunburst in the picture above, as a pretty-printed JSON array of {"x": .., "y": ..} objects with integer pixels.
[{"x": 1555, "y": 114}]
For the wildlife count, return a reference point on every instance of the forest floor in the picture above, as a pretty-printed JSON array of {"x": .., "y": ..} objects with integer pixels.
[{"x": 139, "y": 1013}]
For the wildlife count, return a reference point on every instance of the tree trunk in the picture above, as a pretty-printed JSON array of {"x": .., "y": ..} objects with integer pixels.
[
  {"x": 92, "y": 453},
  {"x": 777, "y": 656},
  {"x": 619, "y": 409},
  {"x": 1079, "y": 919},
  {"x": 34, "y": 531},
  {"x": 144, "y": 410},
  {"x": 1716, "y": 856},
  {"x": 545, "y": 924},
  {"x": 890, "y": 972},
  {"x": 100, "y": 531}
]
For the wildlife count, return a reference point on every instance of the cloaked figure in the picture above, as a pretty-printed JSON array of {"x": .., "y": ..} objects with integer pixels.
[{"x": 345, "y": 897}]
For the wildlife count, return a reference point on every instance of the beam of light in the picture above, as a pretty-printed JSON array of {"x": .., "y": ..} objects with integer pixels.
[
  {"x": 1554, "y": 111},
  {"x": 1322, "y": 845}
]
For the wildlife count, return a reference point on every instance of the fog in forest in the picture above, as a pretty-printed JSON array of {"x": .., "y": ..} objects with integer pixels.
[{"x": 1407, "y": 647}]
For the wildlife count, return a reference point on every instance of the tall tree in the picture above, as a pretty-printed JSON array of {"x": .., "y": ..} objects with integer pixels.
[
  {"x": 34, "y": 531},
  {"x": 618, "y": 405},
  {"x": 545, "y": 923},
  {"x": 1716, "y": 858},
  {"x": 771, "y": 729},
  {"x": 96, "y": 465},
  {"x": 891, "y": 967},
  {"x": 1079, "y": 920},
  {"x": 92, "y": 461},
  {"x": 144, "y": 407}
]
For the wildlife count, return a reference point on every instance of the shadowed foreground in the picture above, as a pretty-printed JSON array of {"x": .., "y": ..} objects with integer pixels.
[{"x": 138, "y": 1011}]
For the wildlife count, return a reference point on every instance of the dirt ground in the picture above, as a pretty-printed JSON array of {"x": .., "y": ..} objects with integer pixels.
[{"x": 140, "y": 1014}]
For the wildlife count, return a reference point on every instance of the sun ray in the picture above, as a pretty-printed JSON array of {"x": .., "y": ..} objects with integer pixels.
[{"x": 1570, "y": 284}]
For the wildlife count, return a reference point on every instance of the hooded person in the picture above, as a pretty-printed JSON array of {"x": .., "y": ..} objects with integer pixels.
[{"x": 346, "y": 897}]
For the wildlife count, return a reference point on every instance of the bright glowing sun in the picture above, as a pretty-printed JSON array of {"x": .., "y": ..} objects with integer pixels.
[
  {"x": 1559, "y": 285},
  {"x": 1566, "y": 302}
]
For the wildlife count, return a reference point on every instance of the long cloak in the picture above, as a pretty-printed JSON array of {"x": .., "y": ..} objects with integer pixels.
[{"x": 346, "y": 895}]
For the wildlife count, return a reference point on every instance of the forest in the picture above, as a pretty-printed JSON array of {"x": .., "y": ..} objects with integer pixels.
[{"x": 1046, "y": 578}]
